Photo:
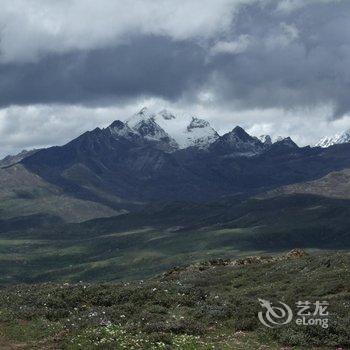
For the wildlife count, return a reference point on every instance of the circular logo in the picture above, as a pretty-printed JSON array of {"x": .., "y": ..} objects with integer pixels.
[{"x": 274, "y": 316}]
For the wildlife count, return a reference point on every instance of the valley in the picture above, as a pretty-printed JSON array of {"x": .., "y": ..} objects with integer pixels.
[{"x": 138, "y": 245}]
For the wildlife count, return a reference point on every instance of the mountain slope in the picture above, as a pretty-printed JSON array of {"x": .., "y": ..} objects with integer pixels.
[
  {"x": 24, "y": 193},
  {"x": 10, "y": 160},
  {"x": 334, "y": 185}
]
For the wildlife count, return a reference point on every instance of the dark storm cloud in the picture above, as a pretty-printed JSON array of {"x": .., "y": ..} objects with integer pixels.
[
  {"x": 150, "y": 66},
  {"x": 274, "y": 53},
  {"x": 298, "y": 58}
]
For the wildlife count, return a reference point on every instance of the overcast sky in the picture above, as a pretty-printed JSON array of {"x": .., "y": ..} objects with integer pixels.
[{"x": 271, "y": 66}]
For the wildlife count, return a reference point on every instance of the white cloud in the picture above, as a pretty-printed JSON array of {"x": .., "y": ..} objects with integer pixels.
[
  {"x": 31, "y": 28},
  {"x": 42, "y": 125}
]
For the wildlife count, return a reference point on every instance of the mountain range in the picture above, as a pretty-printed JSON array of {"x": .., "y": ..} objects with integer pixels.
[{"x": 150, "y": 158}]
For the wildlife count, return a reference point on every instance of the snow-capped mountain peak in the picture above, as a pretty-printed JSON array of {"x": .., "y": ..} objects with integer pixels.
[
  {"x": 146, "y": 114},
  {"x": 143, "y": 115},
  {"x": 334, "y": 140},
  {"x": 144, "y": 124},
  {"x": 286, "y": 141},
  {"x": 197, "y": 123},
  {"x": 171, "y": 132},
  {"x": 238, "y": 143},
  {"x": 240, "y": 133},
  {"x": 164, "y": 124},
  {"x": 198, "y": 133},
  {"x": 118, "y": 128},
  {"x": 265, "y": 139}
]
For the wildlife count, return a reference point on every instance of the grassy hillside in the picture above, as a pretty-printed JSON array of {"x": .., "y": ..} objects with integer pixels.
[
  {"x": 10, "y": 160},
  {"x": 334, "y": 185},
  {"x": 25, "y": 193},
  {"x": 139, "y": 245},
  {"x": 211, "y": 305}
]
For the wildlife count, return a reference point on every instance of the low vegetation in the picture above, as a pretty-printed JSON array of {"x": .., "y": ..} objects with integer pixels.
[{"x": 210, "y": 305}]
